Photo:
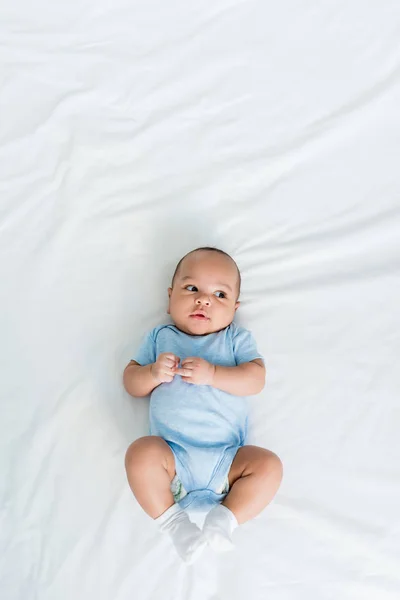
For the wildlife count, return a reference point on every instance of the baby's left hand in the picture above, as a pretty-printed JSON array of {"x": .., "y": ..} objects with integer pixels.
[{"x": 196, "y": 370}]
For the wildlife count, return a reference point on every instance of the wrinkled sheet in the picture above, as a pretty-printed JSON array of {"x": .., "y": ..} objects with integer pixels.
[{"x": 131, "y": 132}]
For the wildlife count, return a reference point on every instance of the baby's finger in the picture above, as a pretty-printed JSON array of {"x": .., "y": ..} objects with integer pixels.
[
  {"x": 184, "y": 372},
  {"x": 188, "y": 380},
  {"x": 187, "y": 361},
  {"x": 169, "y": 372},
  {"x": 168, "y": 362},
  {"x": 175, "y": 362},
  {"x": 170, "y": 355}
]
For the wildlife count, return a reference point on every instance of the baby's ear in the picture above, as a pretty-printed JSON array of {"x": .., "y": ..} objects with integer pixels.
[{"x": 237, "y": 305}]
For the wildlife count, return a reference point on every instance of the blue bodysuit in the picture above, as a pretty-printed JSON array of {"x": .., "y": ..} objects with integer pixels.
[{"x": 203, "y": 426}]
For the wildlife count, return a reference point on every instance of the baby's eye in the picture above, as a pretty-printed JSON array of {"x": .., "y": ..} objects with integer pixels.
[
  {"x": 191, "y": 288},
  {"x": 220, "y": 294}
]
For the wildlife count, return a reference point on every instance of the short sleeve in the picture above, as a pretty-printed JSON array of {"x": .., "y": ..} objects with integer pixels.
[
  {"x": 244, "y": 346},
  {"x": 146, "y": 354}
]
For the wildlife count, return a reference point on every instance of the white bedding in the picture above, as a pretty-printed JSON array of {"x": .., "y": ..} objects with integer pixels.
[{"x": 131, "y": 132}]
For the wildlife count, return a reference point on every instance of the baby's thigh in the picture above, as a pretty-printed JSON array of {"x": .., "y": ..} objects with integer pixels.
[
  {"x": 249, "y": 459},
  {"x": 148, "y": 451}
]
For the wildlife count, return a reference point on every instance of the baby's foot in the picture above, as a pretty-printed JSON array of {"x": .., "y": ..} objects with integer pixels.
[
  {"x": 218, "y": 527},
  {"x": 186, "y": 536}
]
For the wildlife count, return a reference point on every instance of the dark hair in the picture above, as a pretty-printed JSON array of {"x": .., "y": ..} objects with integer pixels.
[{"x": 207, "y": 249}]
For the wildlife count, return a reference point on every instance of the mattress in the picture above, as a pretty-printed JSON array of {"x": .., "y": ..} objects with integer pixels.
[{"x": 132, "y": 132}]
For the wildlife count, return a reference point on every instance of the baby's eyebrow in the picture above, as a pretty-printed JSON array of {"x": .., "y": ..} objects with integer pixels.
[{"x": 224, "y": 285}]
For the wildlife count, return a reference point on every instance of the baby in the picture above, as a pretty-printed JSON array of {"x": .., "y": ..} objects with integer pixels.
[{"x": 199, "y": 371}]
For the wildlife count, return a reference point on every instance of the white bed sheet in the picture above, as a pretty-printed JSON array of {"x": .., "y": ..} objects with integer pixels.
[{"x": 130, "y": 133}]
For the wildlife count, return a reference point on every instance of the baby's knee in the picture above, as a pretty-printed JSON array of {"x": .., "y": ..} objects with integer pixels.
[
  {"x": 148, "y": 449},
  {"x": 271, "y": 464}
]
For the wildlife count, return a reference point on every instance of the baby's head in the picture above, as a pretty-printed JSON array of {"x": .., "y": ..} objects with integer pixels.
[{"x": 205, "y": 291}]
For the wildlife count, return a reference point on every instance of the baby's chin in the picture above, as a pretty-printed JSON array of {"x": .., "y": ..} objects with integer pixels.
[{"x": 198, "y": 327}]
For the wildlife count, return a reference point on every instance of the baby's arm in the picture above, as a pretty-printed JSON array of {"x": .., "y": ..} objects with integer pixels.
[
  {"x": 244, "y": 380},
  {"x": 140, "y": 381}
]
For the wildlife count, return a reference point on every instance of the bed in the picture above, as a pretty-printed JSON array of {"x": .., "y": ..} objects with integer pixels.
[{"x": 132, "y": 132}]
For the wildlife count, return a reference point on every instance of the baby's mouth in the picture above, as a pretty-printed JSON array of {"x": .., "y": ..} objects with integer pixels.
[{"x": 199, "y": 316}]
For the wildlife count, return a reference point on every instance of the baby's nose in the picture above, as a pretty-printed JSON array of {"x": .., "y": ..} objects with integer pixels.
[{"x": 203, "y": 299}]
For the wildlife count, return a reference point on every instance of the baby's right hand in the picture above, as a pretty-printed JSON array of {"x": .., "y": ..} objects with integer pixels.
[{"x": 163, "y": 370}]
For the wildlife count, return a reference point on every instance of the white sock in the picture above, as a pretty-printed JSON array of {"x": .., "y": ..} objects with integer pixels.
[
  {"x": 186, "y": 536},
  {"x": 218, "y": 528}
]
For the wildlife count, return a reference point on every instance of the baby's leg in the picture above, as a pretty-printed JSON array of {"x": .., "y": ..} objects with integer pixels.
[
  {"x": 150, "y": 467},
  {"x": 254, "y": 479}
]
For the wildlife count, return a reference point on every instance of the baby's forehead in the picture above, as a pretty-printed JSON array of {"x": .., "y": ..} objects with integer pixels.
[
  {"x": 210, "y": 267},
  {"x": 207, "y": 265}
]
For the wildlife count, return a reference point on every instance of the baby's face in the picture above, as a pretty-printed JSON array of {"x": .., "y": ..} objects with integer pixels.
[{"x": 203, "y": 298}]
